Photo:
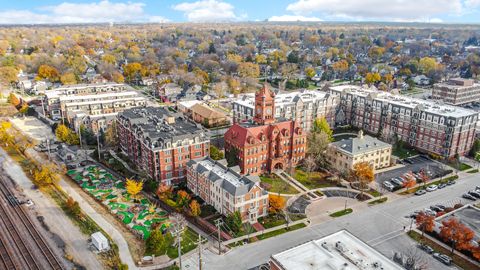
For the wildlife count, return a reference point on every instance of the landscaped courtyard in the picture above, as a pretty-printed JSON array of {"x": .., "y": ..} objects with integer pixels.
[
  {"x": 313, "y": 180},
  {"x": 273, "y": 183},
  {"x": 137, "y": 213}
]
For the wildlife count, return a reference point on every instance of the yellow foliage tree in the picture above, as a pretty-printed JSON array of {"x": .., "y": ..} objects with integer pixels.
[
  {"x": 62, "y": 133},
  {"x": 276, "y": 203},
  {"x": 195, "y": 208},
  {"x": 363, "y": 173},
  {"x": 310, "y": 72},
  {"x": 47, "y": 72},
  {"x": 46, "y": 176},
  {"x": 372, "y": 78},
  {"x": 68, "y": 78},
  {"x": 133, "y": 187},
  {"x": 248, "y": 69}
]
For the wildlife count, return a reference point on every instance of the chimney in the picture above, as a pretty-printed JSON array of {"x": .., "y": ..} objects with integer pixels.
[{"x": 360, "y": 134}]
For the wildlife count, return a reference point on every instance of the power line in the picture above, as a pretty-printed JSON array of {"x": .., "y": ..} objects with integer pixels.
[{"x": 218, "y": 223}]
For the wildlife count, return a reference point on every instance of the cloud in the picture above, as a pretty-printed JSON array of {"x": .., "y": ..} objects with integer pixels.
[
  {"x": 293, "y": 18},
  {"x": 94, "y": 12},
  {"x": 208, "y": 11},
  {"x": 392, "y": 10},
  {"x": 472, "y": 3}
]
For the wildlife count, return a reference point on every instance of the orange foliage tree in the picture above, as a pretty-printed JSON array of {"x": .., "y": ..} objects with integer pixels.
[
  {"x": 195, "y": 208},
  {"x": 164, "y": 191},
  {"x": 410, "y": 182},
  {"x": 425, "y": 223},
  {"x": 182, "y": 198},
  {"x": 363, "y": 173},
  {"x": 277, "y": 203},
  {"x": 48, "y": 72},
  {"x": 457, "y": 233}
]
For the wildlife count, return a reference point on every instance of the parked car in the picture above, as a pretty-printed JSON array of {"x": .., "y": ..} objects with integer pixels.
[
  {"x": 71, "y": 166},
  {"x": 420, "y": 192},
  {"x": 408, "y": 161},
  {"x": 432, "y": 188},
  {"x": 442, "y": 185},
  {"x": 443, "y": 258},
  {"x": 429, "y": 212},
  {"x": 396, "y": 182},
  {"x": 468, "y": 197},
  {"x": 436, "y": 209},
  {"x": 475, "y": 194},
  {"x": 441, "y": 206},
  {"x": 451, "y": 182},
  {"x": 426, "y": 248},
  {"x": 388, "y": 185}
]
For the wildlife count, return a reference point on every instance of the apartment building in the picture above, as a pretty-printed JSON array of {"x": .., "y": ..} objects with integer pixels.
[
  {"x": 265, "y": 144},
  {"x": 76, "y": 103},
  {"x": 161, "y": 142},
  {"x": 430, "y": 127},
  {"x": 302, "y": 106},
  {"x": 226, "y": 189},
  {"x": 344, "y": 154},
  {"x": 457, "y": 91}
]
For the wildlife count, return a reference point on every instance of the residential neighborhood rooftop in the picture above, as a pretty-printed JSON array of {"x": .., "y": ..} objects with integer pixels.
[{"x": 360, "y": 144}]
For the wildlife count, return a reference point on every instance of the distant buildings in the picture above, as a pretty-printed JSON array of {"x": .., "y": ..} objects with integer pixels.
[
  {"x": 344, "y": 154},
  {"x": 340, "y": 250},
  {"x": 303, "y": 106},
  {"x": 430, "y": 127},
  {"x": 161, "y": 142},
  {"x": 457, "y": 91},
  {"x": 93, "y": 105},
  {"x": 265, "y": 144},
  {"x": 227, "y": 190}
]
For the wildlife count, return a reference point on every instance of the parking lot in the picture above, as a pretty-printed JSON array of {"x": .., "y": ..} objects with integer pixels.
[{"x": 414, "y": 164}]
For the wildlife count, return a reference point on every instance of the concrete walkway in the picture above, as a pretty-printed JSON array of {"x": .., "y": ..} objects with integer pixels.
[
  {"x": 296, "y": 184},
  {"x": 114, "y": 155}
]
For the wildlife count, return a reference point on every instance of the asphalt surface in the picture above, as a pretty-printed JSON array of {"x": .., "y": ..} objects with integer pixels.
[
  {"x": 380, "y": 226},
  {"x": 418, "y": 163}
]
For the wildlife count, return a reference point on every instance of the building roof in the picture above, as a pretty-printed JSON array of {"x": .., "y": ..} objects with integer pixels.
[
  {"x": 340, "y": 250},
  {"x": 429, "y": 106},
  {"x": 360, "y": 144},
  {"x": 248, "y": 133},
  {"x": 282, "y": 99},
  {"x": 161, "y": 126},
  {"x": 224, "y": 177},
  {"x": 206, "y": 112}
]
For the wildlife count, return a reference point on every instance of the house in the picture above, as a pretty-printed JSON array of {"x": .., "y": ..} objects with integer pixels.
[
  {"x": 168, "y": 92},
  {"x": 209, "y": 117},
  {"x": 344, "y": 154},
  {"x": 421, "y": 80},
  {"x": 227, "y": 190}
]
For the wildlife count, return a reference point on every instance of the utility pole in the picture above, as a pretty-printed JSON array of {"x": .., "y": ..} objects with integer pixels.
[
  {"x": 178, "y": 225},
  {"x": 98, "y": 145},
  {"x": 218, "y": 223},
  {"x": 199, "y": 243}
]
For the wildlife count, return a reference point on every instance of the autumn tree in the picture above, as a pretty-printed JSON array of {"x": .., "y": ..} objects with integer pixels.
[
  {"x": 215, "y": 153},
  {"x": 195, "y": 208},
  {"x": 457, "y": 234},
  {"x": 276, "y": 203},
  {"x": 247, "y": 69},
  {"x": 111, "y": 135},
  {"x": 372, "y": 78},
  {"x": 426, "y": 223},
  {"x": 12, "y": 99},
  {"x": 73, "y": 207},
  {"x": 182, "y": 198},
  {"x": 118, "y": 77},
  {"x": 64, "y": 134},
  {"x": 317, "y": 144},
  {"x": 8, "y": 74},
  {"x": 164, "y": 191},
  {"x": 321, "y": 125},
  {"x": 309, "y": 164},
  {"x": 48, "y": 72},
  {"x": 363, "y": 174},
  {"x": 68, "y": 78},
  {"x": 376, "y": 52},
  {"x": 310, "y": 72},
  {"x": 410, "y": 182},
  {"x": 133, "y": 187},
  {"x": 340, "y": 66},
  {"x": 260, "y": 59},
  {"x": 46, "y": 176},
  {"x": 132, "y": 71},
  {"x": 157, "y": 243}
]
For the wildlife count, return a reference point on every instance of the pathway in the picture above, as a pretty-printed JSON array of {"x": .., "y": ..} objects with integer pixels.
[
  {"x": 296, "y": 184},
  {"x": 114, "y": 155}
]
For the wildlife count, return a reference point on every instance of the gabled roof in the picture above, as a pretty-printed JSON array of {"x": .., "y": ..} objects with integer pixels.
[{"x": 206, "y": 112}]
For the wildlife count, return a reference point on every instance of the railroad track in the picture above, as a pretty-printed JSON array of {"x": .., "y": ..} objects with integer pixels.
[
  {"x": 33, "y": 233},
  {"x": 6, "y": 256}
]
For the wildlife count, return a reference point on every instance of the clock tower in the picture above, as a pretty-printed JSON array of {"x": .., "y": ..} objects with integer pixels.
[{"x": 264, "y": 106}]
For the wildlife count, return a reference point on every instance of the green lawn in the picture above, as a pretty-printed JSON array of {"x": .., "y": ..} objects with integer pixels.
[
  {"x": 374, "y": 193},
  {"x": 277, "y": 185},
  {"x": 342, "y": 212},
  {"x": 312, "y": 181},
  {"x": 403, "y": 152},
  {"x": 271, "y": 221},
  {"x": 280, "y": 231},
  {"x": 189, "y": 237},
  {"x": 378, "y": 201},
  {"x": 473, "y": 171}
]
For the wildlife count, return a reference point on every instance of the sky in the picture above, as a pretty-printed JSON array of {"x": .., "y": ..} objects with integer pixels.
[{"x": 159, "y": 11}]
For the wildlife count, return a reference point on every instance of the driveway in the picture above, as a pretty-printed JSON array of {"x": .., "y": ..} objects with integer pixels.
[
  {"x": 417, "y": 163},
  {"x": 34, "y": 128}
]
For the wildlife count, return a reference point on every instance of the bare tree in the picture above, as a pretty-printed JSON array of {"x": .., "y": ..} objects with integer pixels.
[
  {"x": 309, "y": 164},
  {"x": 414, "y": 259}
]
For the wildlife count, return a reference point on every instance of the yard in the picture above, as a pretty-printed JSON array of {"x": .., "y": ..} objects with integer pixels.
[
  {"x": 280, "y": 231},
  {"x": 314, "y": 180},
  {"x": 274, "y": 184},
  {"x": 403, "y": 152},
  {"x": 136, "y": 213},
  {"x": 271, "y": 221}
]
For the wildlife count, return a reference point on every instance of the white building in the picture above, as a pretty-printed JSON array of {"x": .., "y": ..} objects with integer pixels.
[
  {"x": 303, "y": 106},
  {"x": 100, "y": 241},
  {"x": 340, "y": 250}
]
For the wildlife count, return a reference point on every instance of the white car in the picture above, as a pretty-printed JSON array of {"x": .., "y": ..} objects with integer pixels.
[
  {"x": 29, "y": 203},
  {"x": 388, "y": 185},
  {"x": 432, "y": 188}
]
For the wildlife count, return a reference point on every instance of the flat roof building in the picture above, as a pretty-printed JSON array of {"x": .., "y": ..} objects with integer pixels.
[
  {"x": 457, "y": 91},
  {"x": 338, "y": 251}
]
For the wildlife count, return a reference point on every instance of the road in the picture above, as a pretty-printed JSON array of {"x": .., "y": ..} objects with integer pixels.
[{"x": 380, "y": 226}]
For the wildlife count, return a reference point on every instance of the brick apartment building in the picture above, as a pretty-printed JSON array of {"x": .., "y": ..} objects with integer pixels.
[
  {"x": 161, "y": 142},
  {"x": 428, "y": 126},
  {"x": 227, "y": 190},
  {"x": 303, "y": 106},
  {"x": 457, "y": 91},
  {"x": 266, "y": 144}
]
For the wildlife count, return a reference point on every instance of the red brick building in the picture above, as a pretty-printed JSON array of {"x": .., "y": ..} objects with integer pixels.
[
  {"x": 266, "y": 144},
  {"x": 160, "y": 142}
]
